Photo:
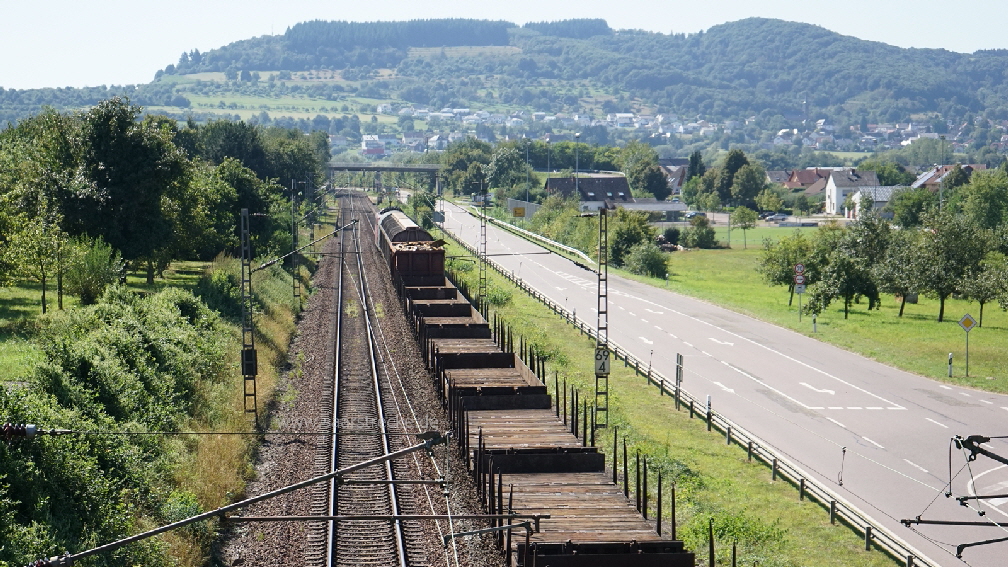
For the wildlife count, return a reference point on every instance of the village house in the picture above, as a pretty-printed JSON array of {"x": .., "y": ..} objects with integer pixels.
[
  {"x": 840, "y": 184},
  {"x": 933, "y": 177}
]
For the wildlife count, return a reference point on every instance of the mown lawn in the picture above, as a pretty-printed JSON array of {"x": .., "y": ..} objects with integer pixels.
[
  {"x": 713, "y": 480},
  {"x": 916, "y": 342}
]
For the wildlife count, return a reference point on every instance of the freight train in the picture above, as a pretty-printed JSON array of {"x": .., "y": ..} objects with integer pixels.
[{"x": 524, "y": 457}]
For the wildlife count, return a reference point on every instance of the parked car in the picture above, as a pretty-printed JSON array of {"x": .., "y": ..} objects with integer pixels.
[
  {"x": 777, "y": 217},
  {"x": 765, "y": 214},
  {"x": 692, "y": 214}
]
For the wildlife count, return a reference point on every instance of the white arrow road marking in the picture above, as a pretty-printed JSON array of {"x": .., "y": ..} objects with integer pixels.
[
  {"x": 872, "y": 442},
  {"x": 810, "y": 387},
  {"x": 723, "y": 387},
  {"x": 647, "y": 341},
  {"x": 916, "y": 466},
  {"x": 837, "y": 422},
  {"x": 936, "y": 423},
  {"x": 762, "y": 383},
  {"x": 721, "y": 342},
  {"x": 655, "y": 312}
]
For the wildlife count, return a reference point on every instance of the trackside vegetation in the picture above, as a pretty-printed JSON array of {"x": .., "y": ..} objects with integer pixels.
[{"x": 713, "y": 482}]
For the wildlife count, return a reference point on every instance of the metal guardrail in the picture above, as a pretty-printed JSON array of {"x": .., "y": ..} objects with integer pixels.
[
  {"x": 780, "y": 465},
  {"x": 536, "y": 237}
]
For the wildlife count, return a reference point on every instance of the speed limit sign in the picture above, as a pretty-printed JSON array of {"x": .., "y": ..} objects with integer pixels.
[{"x": 602, "y": 361}]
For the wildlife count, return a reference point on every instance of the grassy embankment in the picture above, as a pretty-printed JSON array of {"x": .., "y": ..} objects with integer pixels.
[
  {"x": 713, "y": 480},
  {"x": 211, "y": 468}
]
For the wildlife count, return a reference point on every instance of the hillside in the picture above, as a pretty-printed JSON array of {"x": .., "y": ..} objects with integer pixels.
[{"x": 782, "y": 73}]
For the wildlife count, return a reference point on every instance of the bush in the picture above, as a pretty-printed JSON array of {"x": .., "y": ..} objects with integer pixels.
[
  {"x": 671, "y": 235},
  {"x": 646, "y": 259},
  {"x": 94, "y": 266},
  {"x": 127, "y": 363},
  {"x": 221, "y": 291},
  {"x": 699, "y": 234}
]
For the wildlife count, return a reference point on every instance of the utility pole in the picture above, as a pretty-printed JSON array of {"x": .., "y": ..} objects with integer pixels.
[
  {"x": 295, "y": 281},
  {"x": 249, "y": 365},
  {"x": 577, "y": 164},
  {"x": 602, "y": 326},
  {"x": 940, "y": 167},
  {"x": 483, "y": 243}
]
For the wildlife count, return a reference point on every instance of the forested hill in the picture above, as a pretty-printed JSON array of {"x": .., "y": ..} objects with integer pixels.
[
  {"x": 734, "y": 69},
  {"x": 749, "y": 67}
]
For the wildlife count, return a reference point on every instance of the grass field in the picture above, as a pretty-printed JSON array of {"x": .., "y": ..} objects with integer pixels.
[
  {"x": 713, "y": 480},
  {"x": 916, "y": 342}
]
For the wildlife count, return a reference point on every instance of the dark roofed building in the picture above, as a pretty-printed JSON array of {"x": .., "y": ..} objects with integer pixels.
[
  {"x": 778, "y": 177},
  {"x": 595, "y": 191}
]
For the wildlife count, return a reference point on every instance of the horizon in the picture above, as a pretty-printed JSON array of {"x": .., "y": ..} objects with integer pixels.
[{"x": 61, "y": 43}]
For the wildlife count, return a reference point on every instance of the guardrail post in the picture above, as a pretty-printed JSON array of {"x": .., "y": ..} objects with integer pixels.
[
  {"x": 644, "y": 492},
  {"x": 801, "y": 489},
  {"x": 749, "y": 453},
  {"x": 910, "y": 561},
  {"x": 615, "y": 455},
  {"x": 728, "y": 435},
  {"x": 626, "y": 477},
  {"x": 691, "y": 409},
  {"x": 637, "y": 483},
  {"x": 659, "y": 515},
  {"x": 773, "y": 475},
  {"x": 832, "y": 512},
  {"x": 867, "y": 538}
]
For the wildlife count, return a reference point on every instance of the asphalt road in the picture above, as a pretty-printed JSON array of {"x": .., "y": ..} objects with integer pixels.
[{"x": 806, "y": 398}]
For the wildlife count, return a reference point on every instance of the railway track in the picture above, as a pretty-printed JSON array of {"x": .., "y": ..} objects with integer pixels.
[{"x": 371, "y": 416}]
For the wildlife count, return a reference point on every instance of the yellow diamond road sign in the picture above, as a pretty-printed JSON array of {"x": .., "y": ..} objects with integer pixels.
[{"x": 967, "y": 323}]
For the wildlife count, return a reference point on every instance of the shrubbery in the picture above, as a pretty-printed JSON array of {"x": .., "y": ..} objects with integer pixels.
[{"x": 127, "y": 363}]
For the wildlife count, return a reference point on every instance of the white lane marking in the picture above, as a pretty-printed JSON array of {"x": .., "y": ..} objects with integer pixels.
[
  {"x": 872, "y": 442},
  {"x": 687, "y": 344},
  {"x": 874, "y": 407},
  {"x": 853, "y": 407},
  {"x": 632, "y": 314},
  {"x": 655, "y": 312},
  {"x": 706, "y": 353},
  {"x": 813, "y": 388},
  {"x": 1004, "y": 408},
  {"x": 659, "y": 328},
  {"x": 837, "y": 422},
  {"x": 936, "y": 423},
  {"x": 645, "y": 321},
  {"x": 965, "y": 394},
  {"x": 893, "y": 405},
  {"x": 916, "y": 466},
  {"x": 816, "y": 407},
  {"x": 560, "y": 288},
  {"x": 762, "y": 383},
  {"x": 723, "y": 387},
  {"x": 721, "y": 342},
  {"x": 674, "y": 337},
  {"x": 835, "y": 407},
  {"x": 645, "y": 340},
  {"x": 944, "y": 386},
  {"x": 971, "y": 486},
  {"x": 621, "y": 307},
  {"x": 987, "y": 402}
]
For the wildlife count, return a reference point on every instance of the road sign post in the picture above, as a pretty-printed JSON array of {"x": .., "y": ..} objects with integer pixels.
[
  {"x": 799, "y": 284},
  {"x": 967, "y": 323}
]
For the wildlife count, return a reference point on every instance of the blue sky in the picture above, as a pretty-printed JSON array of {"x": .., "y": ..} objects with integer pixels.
[{"x": 56, "y": 43}]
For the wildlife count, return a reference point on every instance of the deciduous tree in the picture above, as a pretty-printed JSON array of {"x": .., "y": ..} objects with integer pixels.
[{"x": 744, "y": 218}]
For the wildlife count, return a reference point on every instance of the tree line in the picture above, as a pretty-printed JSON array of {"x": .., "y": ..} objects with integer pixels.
[
  {"x": 957, "y": 251},
  {"x": 85, "y": 195}
]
